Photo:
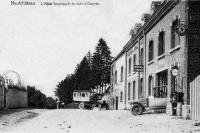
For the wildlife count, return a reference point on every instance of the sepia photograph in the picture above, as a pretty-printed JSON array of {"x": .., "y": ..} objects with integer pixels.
[{"x": 100, "y": 66}]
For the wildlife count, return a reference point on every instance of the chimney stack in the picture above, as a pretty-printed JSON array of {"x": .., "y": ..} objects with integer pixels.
[
  {"x": 146, "y": 17},
  {"x": 132, "y": 32},
  {"x": 137, "y": 27},
  {"x": 155, "y": 5}
]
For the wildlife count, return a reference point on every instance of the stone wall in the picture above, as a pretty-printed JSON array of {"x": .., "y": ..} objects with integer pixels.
[{"x": 17, "y": 98}]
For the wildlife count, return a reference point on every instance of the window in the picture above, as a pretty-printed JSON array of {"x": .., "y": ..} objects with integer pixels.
[
  {"x": 151, "y": 50},
  {"x": 129, "y": 65},
  {"x": 121, "y": 96},
  {"x": 150, "y": 85},
  {"x": 115, "y": 77},
  {"x": 129, "y": 91},
  {"x": 122, "y": 72},
  {"x": 142, "y": 57},
  {"x": 161, "y": 43},
  {"x": 74, "y": 94},
  {"x": 133, "y": 90},
  {"x": 83, "y": 94},
  {"x": 112, "y": 75},
  {"x": 134, "y": 61},
  {"x": 175, "y": 38},
  {"x": 141, "y": 85},
  {"x": 162, "y": 78},
  {"x": 141, "y": 88}
]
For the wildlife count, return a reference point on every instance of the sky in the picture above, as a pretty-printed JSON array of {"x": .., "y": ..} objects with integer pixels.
[{"x": 45, "y": 43}]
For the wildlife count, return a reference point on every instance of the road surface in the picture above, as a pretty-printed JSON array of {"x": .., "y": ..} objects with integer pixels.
[{"x": 91, "y": 121}]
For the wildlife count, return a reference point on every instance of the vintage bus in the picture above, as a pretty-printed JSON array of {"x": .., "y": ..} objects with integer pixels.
[{"x": 87, "y": 99}]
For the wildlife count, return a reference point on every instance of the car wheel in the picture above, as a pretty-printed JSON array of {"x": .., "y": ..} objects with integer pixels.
[
  {"x": 81, "y": 106},
  {"x": 137, "y": 109}
]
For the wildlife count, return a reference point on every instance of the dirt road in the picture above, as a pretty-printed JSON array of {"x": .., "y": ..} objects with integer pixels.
[{"x": 91, "y": 121}]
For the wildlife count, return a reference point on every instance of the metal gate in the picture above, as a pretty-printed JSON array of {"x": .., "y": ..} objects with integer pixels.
[{"x": 195, "y": 98}]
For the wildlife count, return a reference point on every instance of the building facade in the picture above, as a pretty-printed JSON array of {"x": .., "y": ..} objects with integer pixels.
[
  {"x": 159, "y": 47},
  {"x": 118, "y": 82}
]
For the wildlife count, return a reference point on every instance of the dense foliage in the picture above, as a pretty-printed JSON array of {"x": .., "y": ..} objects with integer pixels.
[
  {"x": 50, "y": 103},
  {"x": 92, "y": 72},
  {"x": 36, "y": 99}
]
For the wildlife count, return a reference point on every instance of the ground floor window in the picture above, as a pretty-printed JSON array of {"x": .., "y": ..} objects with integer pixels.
[
  {"x": 133, "y": 90},
  {"x": 121, "y": 96},
  {"x": 150, "y": 84},
  {"x": 141, "y": 88},
  {"x": 129, "y": 91}
]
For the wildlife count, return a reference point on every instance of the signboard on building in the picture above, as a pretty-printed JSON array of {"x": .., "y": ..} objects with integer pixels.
[
  {"x": 175, "y": 71},
  {"x": 181, "y": 29},
  {"x": 138, "y": 68}
]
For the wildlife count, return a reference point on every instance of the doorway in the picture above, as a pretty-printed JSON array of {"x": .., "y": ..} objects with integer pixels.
[{"x": 162, "y": 82}]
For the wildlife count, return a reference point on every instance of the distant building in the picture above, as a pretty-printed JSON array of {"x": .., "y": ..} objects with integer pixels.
[{"x": 159, "y": 45}]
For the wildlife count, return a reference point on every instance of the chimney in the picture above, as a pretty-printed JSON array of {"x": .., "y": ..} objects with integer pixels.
[
  {"x": 146, "y": 17},
  {"x": 137, "y": 27},
  {"x": 134, "y": 30},
  {"x": 155, "y": 5}
]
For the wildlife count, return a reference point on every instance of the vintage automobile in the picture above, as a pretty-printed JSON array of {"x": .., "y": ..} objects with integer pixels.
[
  {"x": 81, "y": 97},
  {"x": 156, "y": 102}
]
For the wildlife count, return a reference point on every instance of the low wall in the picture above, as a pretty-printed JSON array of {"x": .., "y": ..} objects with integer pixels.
[{"x": 17, "y": 98}]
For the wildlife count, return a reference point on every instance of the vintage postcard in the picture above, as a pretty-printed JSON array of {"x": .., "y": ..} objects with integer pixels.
[{"x": 99, "y": 66}]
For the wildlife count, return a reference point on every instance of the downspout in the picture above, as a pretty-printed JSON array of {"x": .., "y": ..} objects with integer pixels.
[
  {"x": 139, "y": 59},
  {"x": 144, "y": 63},
  {"x": 187, "y": 96},
  {"x": 125, "y": 80}
]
